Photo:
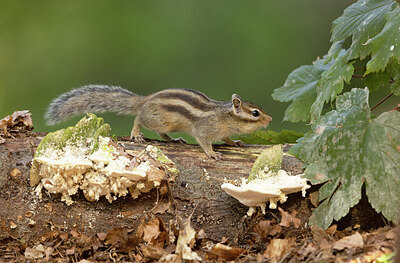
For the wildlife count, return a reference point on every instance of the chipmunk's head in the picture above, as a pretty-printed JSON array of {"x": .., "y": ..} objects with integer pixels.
[{"x": 250, "y": 117}]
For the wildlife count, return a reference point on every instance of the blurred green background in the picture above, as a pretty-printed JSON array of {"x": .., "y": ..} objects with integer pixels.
[{"x": 217, "y": 47}]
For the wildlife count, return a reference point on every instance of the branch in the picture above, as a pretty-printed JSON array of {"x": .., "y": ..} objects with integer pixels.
[{"x": 383, "y": 100}]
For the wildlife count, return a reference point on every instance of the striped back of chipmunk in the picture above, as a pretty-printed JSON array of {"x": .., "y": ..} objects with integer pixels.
[{"x": 191, "y": 104}]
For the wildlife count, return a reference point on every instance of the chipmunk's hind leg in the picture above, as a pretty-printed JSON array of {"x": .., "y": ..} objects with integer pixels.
[
  {"x": 170, "y": 139},
  {"x": 207, "y": 148},
  {"x": 230, "y": 142}
]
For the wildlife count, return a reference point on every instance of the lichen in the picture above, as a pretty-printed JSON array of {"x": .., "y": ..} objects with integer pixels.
[
  {"x": 268, "y": 163},
  {"x": 85, "y": 157}
]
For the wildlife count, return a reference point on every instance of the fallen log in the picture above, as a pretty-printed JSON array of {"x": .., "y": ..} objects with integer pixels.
[
  {"x": 197, "y": 188},
  {"x": 195, "y": 191}
]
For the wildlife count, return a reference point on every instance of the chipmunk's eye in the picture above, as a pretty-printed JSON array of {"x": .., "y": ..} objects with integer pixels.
[{"x": 255, "y": 113}]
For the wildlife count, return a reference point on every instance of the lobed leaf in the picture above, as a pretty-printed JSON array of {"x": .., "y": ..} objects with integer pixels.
[
  {"x": 331, "y": 83},
  {"x": 393, "y": 69},
  {"x": 344, "y": 149},
  {"x": 386, "y": 44},
  {"x": 300, "y": 88},
  {"x": 334, "y": 51},
  {"x": 360, "y": 17},
  {"x": 381, "y": 163},
  {"x": 376, "y": 80}
]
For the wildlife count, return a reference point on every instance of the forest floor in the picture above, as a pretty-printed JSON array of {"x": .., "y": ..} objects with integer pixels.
[
  {"x": 167, "y": 229},
  {"x": 276, "y": 240}
]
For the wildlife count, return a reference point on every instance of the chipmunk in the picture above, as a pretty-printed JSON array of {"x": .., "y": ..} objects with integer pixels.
[{"x": 170, "y": 110}]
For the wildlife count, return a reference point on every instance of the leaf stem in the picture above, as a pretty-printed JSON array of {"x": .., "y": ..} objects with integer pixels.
[
  {"x": 357, "y": 76},
  {"x": 383, "y": 100},
  {"x": 397, "y": 108}
]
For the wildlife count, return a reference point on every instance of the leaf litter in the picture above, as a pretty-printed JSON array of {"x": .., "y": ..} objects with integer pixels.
[{"x": 16, "y": 123}]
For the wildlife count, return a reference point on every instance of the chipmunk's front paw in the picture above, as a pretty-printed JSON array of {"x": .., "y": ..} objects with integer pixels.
[
  {"x": 215, "y": 155},
  {"x": 138, "y": 138}
]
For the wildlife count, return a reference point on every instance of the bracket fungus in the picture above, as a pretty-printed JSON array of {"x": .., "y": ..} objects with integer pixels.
[
  {"x": 266, "y": 182},
  {"x": 85, "y": 157}
]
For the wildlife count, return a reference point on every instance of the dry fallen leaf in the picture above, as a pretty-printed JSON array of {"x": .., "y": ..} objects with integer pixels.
[
  {"x": 18, "y": 121},
  {"x": 151, "y": 252},
  {"x": 278, "y": 248},
  {"x": 186, "y": 240},
  {"x": 353, "y": 241},
  {"x": 81, "y": 238},
  {"x": 331, "y": 230},
  {"x": 287, "y": 219},
  {"x": 263, "y": 228},
  {"x": 64, "y": 235},
  {"x": 321, "y": 238},
  {"x": 138, "y": 258},
  {"x": 170, "y": 258},
  {"x": 276, "y": 229},
  {"x": 201, "y": 234},
  {"x": 162, "y": 207},
  {"x": 33, "y": 253},
  {"x": 390, "y": 234},
  {"x": 267, "y": 228},
  {"x": 226, "y": 252},
  {"x": 70, "y": 251},
  {"x": 305, "y": 251},
  {"x": 102, "y": 236},
  {"x": 151, "y": 230},
  {"x": 119, "y": 238},
  {"x": 314, "y": 198},
  {"x": 154, "y": 233},
  {"x": 37, "y": 252}
]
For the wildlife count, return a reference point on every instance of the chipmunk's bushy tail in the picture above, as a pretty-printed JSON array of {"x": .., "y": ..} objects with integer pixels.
[{"x": 94, "y": 99}]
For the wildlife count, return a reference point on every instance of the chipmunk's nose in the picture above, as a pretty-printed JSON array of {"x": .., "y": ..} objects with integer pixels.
[{"x": 268, "y": 119}]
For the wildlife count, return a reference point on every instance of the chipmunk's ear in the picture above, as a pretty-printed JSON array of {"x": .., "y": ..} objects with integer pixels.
[{"x": 236, "y": 102}]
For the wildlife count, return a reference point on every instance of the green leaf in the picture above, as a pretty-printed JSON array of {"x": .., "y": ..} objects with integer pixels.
[
  {"x": 391, "y": 74},
  {"x": 369, "y": 28},
  {"x": 331, "y": 83},
  {"x": 270, "y": 137},
  {"x": 360, "y": 17},
  {"x": 362, "y": 21},
  {"x": 386, "y": 44},
  {"x": 395, "y": 88},
  {"x": 299, "y": 109},
  {"x": 393, "y": 68},
  {"x": 334, "y": 51},
  {"x": 300, "y": 88},
  {"x": 376, "y": 80},
  {"x": 381, "y": 163},
  {"x": 344, "y": 149}
]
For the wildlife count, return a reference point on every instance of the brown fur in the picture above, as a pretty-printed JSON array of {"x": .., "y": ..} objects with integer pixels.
[{"x": 166, "y": 111}]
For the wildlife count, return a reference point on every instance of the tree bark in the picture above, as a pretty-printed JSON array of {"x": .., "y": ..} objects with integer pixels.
[{"x": 196, "y": 190}]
